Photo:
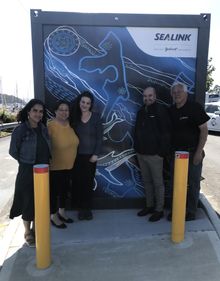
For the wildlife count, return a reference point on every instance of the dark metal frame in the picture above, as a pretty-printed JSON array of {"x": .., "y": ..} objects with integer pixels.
[{"x": 40, "y": 18}]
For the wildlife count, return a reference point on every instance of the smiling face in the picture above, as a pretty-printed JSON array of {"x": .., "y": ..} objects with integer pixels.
[
  {"x": 179, "y": 95},
  {"x": 35, "y": 115},
  {"x": 149, "y": 96},
  {"x": 85, "y": 104},
  {"x": 62, "y": 112}
]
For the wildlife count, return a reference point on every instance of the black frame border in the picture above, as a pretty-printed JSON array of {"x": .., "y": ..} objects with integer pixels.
[{"x": 40, "y": 18}]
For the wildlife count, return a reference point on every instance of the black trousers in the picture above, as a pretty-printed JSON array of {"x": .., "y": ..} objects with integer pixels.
[
  {"x": 59, "y": 187},
  {"x": 83, "y": 181}
]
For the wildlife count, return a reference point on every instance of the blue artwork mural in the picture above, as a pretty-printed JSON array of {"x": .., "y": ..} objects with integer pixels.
[{"x": 107, "y": 62}]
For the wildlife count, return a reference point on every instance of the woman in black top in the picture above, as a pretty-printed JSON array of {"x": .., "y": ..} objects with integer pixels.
[
  {"x": 29, "y": 145},
  {"x": 88, "y": 127}
]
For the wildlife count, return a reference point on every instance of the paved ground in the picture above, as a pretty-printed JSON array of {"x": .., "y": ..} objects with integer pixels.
[{"x": 118, "y": 245}]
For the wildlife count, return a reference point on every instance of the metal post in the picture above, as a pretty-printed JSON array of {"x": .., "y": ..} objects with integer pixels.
[
  {"x": 42, "y": 216},
  {"x": 179, "y": 195}
]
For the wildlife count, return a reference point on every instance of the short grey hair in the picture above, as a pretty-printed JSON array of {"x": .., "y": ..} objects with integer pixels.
[{"x": 179, "y": 84}]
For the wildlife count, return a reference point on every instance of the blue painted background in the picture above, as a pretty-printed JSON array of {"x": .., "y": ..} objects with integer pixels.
[{"x": 107, "y": 62}]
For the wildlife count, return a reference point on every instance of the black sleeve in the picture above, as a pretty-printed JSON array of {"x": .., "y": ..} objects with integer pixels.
[
  {"x": 15, "y": 143},
  {"x": 199, "y": 114},
  {"x": 135, "y": 130},
  {"x": 165, "y": 131}
]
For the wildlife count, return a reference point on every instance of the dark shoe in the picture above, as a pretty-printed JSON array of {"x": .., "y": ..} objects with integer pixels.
[
  {"x": 69, "y": 220},
  {"x": 88, "y": 215},
  {"x": 156, "y": 216},
  {"x": 190, "y": 217},
  {"x": 62, "y": 225},
  {"x": 169, "y": 217},
  {"x": 145, "y": 212}
]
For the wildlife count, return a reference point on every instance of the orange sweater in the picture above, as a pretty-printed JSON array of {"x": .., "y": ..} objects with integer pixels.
[{"x": 64, "y": 143}]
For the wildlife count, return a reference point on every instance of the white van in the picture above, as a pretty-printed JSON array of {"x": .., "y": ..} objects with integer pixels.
[{"x": 213, "y": 110}]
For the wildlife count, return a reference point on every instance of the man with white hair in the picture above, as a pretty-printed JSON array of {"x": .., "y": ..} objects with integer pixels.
[{"x": 190, "y": 132}]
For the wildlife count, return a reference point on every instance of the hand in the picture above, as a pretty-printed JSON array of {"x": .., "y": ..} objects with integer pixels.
[
  {"x": 93, "y": 158},
  {"x": 197, "y": 158}
]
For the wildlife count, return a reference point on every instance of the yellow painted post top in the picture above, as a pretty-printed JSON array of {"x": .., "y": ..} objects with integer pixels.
[
  {"x": 41, "y": 168},
  {"x": 181, "y": 155}
]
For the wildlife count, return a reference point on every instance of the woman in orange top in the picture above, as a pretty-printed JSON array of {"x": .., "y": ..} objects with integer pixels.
[{"x": 64, "y": 143}]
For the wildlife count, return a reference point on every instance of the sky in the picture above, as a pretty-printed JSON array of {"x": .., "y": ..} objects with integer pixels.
[{"x": 15, "y": 32}]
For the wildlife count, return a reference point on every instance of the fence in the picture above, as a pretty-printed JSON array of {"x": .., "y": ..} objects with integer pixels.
[{"x": 5, "y": 126}]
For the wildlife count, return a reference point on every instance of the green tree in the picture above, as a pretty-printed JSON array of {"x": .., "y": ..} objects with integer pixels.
[{"x": 209, "y": 79}]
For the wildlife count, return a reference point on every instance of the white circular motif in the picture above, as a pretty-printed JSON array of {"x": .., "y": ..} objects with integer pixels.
[{"x": 63, "y": 42}]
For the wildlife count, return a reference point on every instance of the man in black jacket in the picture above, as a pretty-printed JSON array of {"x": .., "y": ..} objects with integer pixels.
[{"x": 152, "y": 142}]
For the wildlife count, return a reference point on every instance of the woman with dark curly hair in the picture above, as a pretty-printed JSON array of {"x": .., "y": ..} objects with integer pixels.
[
  {"x": 30, "y": 145},
  {"x": 88, "y": 127}
]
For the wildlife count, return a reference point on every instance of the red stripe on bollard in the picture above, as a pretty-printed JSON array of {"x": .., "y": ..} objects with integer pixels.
[
  {"x": 182, "y": 155},
  {"x": 41, "y": 169}
]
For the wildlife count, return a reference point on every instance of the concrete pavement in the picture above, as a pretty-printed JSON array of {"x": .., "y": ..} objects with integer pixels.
[{"x": 118, "y": 245}]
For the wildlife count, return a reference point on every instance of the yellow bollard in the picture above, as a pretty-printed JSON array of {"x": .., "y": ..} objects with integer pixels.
[
  {"x": 42, "y": 216},
  {"x": 179, "y": 195}
]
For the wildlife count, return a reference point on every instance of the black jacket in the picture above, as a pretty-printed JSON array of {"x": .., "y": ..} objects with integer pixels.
[{"x": 152, "y": 130}]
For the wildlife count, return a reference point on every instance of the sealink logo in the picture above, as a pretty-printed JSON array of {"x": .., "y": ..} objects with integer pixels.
[{"x": 172, "y": 37}]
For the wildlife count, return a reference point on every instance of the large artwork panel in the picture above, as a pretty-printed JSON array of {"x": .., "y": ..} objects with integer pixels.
[{"x": 116, "y": 64}]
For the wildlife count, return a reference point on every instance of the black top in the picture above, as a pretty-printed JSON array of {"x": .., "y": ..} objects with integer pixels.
[
  {"x": 90, "y": 135},
  {"x": 186, "y": 121},
  {"x": 152, "y": 130}
]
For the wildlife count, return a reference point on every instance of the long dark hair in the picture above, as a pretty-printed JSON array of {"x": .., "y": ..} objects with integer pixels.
[
  {"x": 76, "y": 113},
  {"x": 23, "y": 113}
]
